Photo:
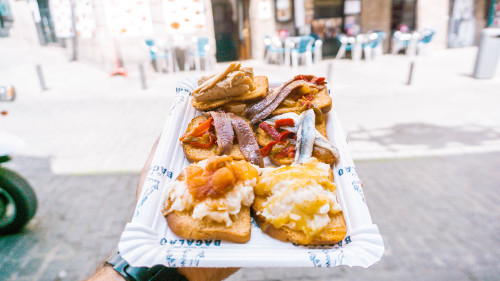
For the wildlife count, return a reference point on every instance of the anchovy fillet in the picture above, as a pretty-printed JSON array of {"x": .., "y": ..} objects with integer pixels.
[
  {"x": 246, "y": 139},
  {"x": 320, "y": 140},
  {"x": 306, "y": 134},
  {"x": 223, "y": 131},
  {"x": 279, "y": 98}
]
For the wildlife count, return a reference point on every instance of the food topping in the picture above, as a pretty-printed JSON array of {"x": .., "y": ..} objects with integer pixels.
[
  {"x": 302, "y": 197},
  {"x": 215, "y": 188},
  {"x": 223, "y": 130},
  {"x": 233, "y": 81},
  {"x": 319, "y": 139},
  {"x": 246, "y": 139},
  {"x": 289, "y": 151},
  {"x": 201, "y": 129},
  {"x": 211, "y": 140},
  {"x": 284, "y": 122},
  {"x": 306, "y": 134},
  {"x": 287, "y": 94},
  {"x": 270, "y": 130}
]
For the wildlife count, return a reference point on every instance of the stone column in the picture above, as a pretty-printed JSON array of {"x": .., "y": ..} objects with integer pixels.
[{"x": 435, "y": 15}]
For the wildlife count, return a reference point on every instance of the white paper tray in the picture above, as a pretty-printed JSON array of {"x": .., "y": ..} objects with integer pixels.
[{"x": 147, "y": 240}]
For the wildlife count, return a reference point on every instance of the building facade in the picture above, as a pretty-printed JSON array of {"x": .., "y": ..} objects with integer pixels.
[{"x": 236, "y": 28}]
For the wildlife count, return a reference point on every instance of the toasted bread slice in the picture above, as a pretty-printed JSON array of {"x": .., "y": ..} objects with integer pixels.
[
  {"x": 183, "y": 225},
  {"x": 261, "y": 87},
  {"x": 334, "y": 232},
  {"x": 195, "y": 154},
  {"x": 322, "y": 100},
  {"x": 323, "y": 155}
]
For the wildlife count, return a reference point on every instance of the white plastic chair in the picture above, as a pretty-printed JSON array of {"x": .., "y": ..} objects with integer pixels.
[
  {"x": 302, "y": 50},
  {"x": 160, "y": 57},
  {"x": 200, "y": 48}
]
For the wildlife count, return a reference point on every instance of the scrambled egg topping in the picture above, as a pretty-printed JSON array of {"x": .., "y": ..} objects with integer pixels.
[{"x": 301, "y": 196}]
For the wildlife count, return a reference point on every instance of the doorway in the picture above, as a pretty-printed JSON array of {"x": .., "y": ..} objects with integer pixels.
[
  {"x": 404, "y": 13},
  {"x": 232, "y": 29}
]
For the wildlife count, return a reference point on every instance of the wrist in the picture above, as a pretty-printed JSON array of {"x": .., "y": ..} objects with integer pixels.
[{"x": 130, "y": 273}]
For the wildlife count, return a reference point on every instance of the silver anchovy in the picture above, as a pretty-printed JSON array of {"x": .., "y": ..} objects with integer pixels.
[
  {"x": 306, "y": 134},
  {"x": 320, "y": 140}
]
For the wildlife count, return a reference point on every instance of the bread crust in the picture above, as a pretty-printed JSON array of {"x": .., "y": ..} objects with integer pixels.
[
  {"x": 334, "y": 232},
  {"x": 184, "y": 225},
  {"x": 261, "y": 88}
]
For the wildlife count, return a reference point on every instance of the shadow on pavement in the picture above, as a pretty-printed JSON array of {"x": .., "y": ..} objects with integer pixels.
[{"x": 429, "y": 135}]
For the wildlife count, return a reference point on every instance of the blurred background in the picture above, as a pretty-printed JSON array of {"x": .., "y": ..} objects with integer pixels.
[{"x": 415, "y": 83}]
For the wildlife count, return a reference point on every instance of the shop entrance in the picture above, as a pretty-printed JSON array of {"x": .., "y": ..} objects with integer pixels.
[
  {"x": 403, "y": 15},
  {"x": 232, "y": 30},
  {"x": 45, "y": 26}
]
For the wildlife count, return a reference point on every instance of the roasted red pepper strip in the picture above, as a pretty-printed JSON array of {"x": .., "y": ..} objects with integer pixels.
[
  {"x": 200, "y": 129},
  {"x": 288, "y": 151},
  {"x": 270, "y": 130},
  {"x": 266, "y": 149},
  {"x": 309, "y": 97},
  {"x": 283, "y": 136},
  {"x": 284, "y": 122},
  {"x": 205, "y": 145},
  {"x": 318, "y": 80}
]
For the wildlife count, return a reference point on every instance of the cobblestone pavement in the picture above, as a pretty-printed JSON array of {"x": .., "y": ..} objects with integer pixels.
[{"x": 438, "y": 217}]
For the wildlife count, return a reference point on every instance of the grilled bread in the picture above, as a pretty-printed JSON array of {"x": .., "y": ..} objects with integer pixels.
[
  {"x": 195, "y": 154},
  {"x": 298, "y": 204},
  {"x": 211, "y": 200}
]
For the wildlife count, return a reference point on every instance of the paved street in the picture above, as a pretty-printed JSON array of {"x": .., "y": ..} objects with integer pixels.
[{"x": 427, "y": 154}]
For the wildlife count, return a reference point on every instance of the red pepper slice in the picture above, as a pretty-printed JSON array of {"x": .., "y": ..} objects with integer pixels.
[
  {"x": 309, "y": 97},
  {"x": 288, "y": 151},
  {"x": 318, "y": 80},
  {"x": 200, "y": 129},
  {"x": 284, "y": 122},
  {"x": 270, "y": 130},
  {"x": 283, "y": 136},
  {"x": 212, "y": 137},
  {"x": 267, "y": 149}
]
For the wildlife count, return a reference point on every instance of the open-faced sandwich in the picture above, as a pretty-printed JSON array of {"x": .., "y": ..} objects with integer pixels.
[
  {"x": 298, "y": 204},
  {"x": 211, "y": 200},
  {"x": 291, "y": 136},
  {"x": 213, "y": 133},
  {"x": 235, "y": 83},
  {"x": 296, "y": 95}
]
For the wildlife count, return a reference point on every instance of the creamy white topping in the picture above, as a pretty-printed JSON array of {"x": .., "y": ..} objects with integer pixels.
[{"x": 217, "y": 209}]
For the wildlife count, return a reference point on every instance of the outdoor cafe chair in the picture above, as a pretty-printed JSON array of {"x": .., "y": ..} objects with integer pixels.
[
  {"x": 378, "y": 49},
  {"x": 158, "y": 57},
  {"x": 353, "y": 44},
  {"x": 274, "y": 50},
  {"x": 200, "y": 48},
  {"x": 404, "y": 41},
  {"x": 302, "y": 50},
  {"x": 425, "y": 38}
]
